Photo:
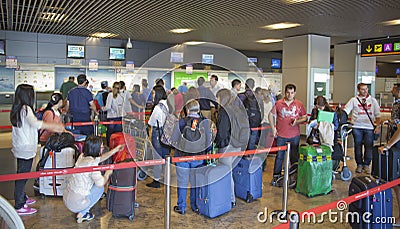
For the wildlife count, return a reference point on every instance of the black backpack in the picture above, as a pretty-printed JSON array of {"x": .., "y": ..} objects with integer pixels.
[
  {"x": 342, "y": 119},
  {"x": 193, "y": 139},
  {"x": 56, "y": 143},
  {"x": 253, "y": 109},
  {"x": 240, "y": 128}
]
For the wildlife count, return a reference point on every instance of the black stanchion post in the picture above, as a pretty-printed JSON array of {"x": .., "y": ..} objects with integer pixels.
[
  {"x": 167, "y": 192},
  {"x": 282, "y": 214}
]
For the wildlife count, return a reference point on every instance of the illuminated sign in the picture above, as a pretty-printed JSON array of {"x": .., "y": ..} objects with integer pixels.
[{"x": 381, "y": 47}]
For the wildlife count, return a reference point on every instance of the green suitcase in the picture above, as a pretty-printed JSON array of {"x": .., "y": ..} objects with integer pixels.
[{"x": 314, "y": 174}]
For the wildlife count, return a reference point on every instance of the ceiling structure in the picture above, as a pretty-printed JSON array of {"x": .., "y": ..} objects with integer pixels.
[{"x": 236, "y": 23}]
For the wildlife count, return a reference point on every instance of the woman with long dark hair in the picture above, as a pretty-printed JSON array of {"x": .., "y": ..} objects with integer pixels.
[
  {"x": 25, "y": 128},
  {"x": 51, "y": 114},
  {"x": 115, "y": 110},
  {"x": 156, "y": 121},
  {"x": 85, "y": 189}
]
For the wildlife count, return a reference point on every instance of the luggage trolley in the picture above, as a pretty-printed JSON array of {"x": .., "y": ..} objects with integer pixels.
[{"x": 137, "y": 129}]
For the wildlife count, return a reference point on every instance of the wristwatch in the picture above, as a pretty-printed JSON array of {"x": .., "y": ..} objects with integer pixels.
[{"x": 386, "y": 148}]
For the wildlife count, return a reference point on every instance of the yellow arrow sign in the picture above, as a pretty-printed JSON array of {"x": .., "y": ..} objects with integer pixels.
[{"x": 368, "y": 49}]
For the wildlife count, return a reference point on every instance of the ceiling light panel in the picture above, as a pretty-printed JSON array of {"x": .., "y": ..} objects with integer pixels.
[
  {"x": 392, "y": 22},
  {"x": 194, "y": 42},
  {"x": 282, "y": 25},
  {"x": 180, "y": 31},
  {"x": 103, "y": 35},
  {"x": 269, "y": 40}
]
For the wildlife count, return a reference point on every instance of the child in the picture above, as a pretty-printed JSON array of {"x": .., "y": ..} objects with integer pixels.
[
  {"x": 25, "y": 127},
  {"x": 51, "y": 114},
  {"x": 85, "y": 189}
]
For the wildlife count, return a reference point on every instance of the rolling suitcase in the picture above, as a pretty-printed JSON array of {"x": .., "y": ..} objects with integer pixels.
[
  {"x": 213, "y": 193},
  {"x": 121, "y": 195},
  {"x": 378, "y": 206},
  {"x": 393, "y": 162},
  {"x": 247, "y": 176},
  {"x": 314, "y": 173},
  {"x": 55, "y": 186}
]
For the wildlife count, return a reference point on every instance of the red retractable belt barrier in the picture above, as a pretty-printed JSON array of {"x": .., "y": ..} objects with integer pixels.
[
  {"x": 228, "y": 154},
  {"x": 5, "y": 127},
  {"x": 57, "y": 172},
  {"x": 5, "y": 111},
  {"x": 348, "y": 200}
]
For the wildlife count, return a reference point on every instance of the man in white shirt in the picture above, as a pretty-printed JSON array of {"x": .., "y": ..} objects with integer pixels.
[
  {"x": 214, "y": 89},
  {"x": 365, "y": 110}
]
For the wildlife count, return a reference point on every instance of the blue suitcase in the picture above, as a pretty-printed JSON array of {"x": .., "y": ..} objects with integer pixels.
[
  {"x": 379, "y": 205},
  {"x": 247, "y": 176},
  {"x": 213, "y": 196}
]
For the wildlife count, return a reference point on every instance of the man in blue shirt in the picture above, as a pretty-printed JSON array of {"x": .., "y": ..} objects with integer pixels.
[
  {"x": 206, "y": 96},
  {"x": 80, "y": 104}
]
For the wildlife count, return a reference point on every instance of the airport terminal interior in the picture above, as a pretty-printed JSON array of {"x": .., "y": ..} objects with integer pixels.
[{"x": 324, "y": 47}]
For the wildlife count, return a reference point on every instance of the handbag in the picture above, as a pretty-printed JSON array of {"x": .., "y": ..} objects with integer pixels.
[
  {"x": 313, "y": 137},
  {"x": 376, "y": 136}
]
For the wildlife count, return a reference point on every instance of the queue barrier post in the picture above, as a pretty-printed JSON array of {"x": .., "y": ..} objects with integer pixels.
[
  {"x": 167, "y": 192},
  {"x": 96, "y": 126},
  {"x": 282, "y": 214}
]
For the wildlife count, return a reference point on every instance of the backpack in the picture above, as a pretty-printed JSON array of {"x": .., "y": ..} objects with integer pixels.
[
  {"x": 101, "y": 98},
  {"x": 169, "y": 128},
  {"x": 252, "y": 109},
  {"x": 39, "y": 116},
  {"x": 342, "y": 118},
  {"x": 240, "y": 128},
  {"x": 57, "y": 142},
  {"x": 193, "y": 139}
]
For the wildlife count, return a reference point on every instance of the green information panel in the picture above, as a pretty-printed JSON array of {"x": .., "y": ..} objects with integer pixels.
[{"x": 190, "y": 79}]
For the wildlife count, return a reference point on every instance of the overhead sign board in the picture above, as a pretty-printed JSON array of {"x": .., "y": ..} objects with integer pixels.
[{"x": 382, "y": 47}]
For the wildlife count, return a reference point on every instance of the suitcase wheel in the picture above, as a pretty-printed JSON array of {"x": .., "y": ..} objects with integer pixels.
[
  {"x": 249, "y": 198},
  {"x": 131, "y": 217},
  {"x": 141, "y": 175}
]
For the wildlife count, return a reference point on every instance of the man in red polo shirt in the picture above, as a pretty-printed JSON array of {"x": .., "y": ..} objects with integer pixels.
[{"x": 284, "y": 118}]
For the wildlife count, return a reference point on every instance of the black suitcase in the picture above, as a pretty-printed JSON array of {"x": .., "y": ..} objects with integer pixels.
[
  {"x": 393, "y": 163},
  {"x": 378, "y": 206},
  {"x": 121, "y": 195}
]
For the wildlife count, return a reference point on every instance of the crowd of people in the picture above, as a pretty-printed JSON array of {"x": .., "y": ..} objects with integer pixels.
[{"x": 193, "y": 107}]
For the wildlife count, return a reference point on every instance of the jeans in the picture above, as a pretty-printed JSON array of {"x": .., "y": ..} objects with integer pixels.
[
  {"x": 252, "y": 139},
  {"x": 231, "y": 162},
  {"x": 23, "y": 166},
  {"x": 86, "y": 130},
  {"x": 94, "y": 197},
  {"x": 363, "y": 137},
  {"x": 159, "y": 151},
  {"x": 184, "y": 175},
  {"x": 113, "y": 128},
  {"x": 294, "y": 152}
]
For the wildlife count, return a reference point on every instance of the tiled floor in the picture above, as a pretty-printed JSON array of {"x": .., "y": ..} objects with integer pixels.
[{"x": 53, "y": 214}]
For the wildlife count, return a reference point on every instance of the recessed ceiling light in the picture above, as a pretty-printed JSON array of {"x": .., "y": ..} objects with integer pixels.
[
  {"x": 282, "y": 25},
  {"x": 392, "y": 22},
  {"x": 52, "y": 17},
  {"x": 297, "y": 1},
  {"x": 194, "y": 42},
  {"x": 103, "y": 35},
  {"x": 396, "y": 61},
  {"x": 180, "y": 30},
  {"x": 267, "y": 41}
]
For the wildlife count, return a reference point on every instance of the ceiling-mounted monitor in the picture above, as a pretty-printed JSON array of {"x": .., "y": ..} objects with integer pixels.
[
  {"x": 275, "y": 63},
  {"x": 117, "y": 54},
  {"x": 76, "y": 51}
]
